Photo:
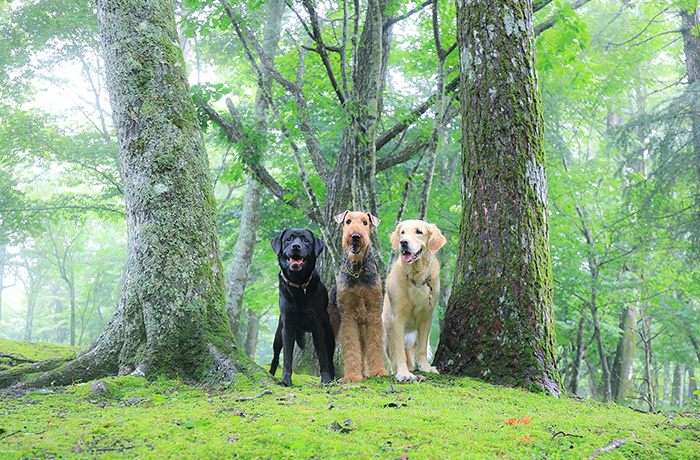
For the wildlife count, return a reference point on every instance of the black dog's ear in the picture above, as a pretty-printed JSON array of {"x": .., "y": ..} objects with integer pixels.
[
  {"x": 318, "y": 245},
  {"x": 276, "y": 242}
]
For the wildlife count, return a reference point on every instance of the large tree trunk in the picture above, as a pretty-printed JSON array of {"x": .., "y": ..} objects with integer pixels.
[
  {"x": 622, "y": 379},
  {"x": 499, "y": 323},
  {"x": 245, "y": 244},
  {"x": 170, "y": 319}
]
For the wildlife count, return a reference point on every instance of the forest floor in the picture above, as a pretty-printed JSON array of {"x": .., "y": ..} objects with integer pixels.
[{"x": 440, "y": 417}]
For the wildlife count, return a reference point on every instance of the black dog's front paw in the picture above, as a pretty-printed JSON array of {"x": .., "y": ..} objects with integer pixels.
[
  {"x": 286, "y": 381},
  {"x": 326, "y": 378}
]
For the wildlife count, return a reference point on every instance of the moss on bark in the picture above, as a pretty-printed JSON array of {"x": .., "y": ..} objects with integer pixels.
[{"x": 499, "y": 323}]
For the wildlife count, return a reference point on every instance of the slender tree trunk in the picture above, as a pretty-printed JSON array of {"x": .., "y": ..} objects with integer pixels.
[
  {"x": 2, "y": 275},
  {"x": 578, "y": 359},
  {"x": 667, "y": 383},
  {"x": 438, "y": 124},
  {"x": 622, "y": 383},
  {"x": 677, "y": 389},
  {"x": 649, "y": 369},
  {"x": 691, "y": 45},
  {"x": 692, "y": 384},
  {"x": 251, "y": 341},
  {"x": 250, "y": 219},
  {"x": 32, "y": 294},
  {"x": 499, "y": 323}
]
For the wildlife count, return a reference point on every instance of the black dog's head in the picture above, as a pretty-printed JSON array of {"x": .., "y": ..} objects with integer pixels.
[{"x": 297, "y": 249}]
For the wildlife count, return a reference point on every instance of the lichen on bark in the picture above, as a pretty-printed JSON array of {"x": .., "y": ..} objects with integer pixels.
[{"x": 499, "y": 324}]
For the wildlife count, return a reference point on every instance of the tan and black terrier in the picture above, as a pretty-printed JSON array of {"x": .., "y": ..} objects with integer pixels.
[{"x": 357, "y": 298}]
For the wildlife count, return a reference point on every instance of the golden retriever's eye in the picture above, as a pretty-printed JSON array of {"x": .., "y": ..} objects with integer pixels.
[
  {"x": 418, "y": 231},
  {"x": 402, "y": 232},
  {"x": 347, "y": 222},
  {"x": 364, "y": 222}
]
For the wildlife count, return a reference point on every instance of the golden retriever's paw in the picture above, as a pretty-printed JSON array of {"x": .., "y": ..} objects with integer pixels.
[
  {"x": 403, "y": 376},
  {"x": 431, "y": 369},
  {"x": 379, "y": 373}
]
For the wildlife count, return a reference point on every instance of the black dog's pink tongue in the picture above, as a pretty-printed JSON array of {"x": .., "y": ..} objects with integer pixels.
[{"x": 296, "y": 261}]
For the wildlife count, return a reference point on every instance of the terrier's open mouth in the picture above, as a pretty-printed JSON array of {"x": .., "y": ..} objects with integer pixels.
[
  {"x": 355, "y": 248},
  {"x": 409, "y": 257}
]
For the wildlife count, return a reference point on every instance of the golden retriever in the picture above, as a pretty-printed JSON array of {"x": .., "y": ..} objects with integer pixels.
[{"x": 412, "y": 291}]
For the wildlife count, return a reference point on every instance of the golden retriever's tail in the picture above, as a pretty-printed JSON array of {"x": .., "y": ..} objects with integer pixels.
[{"x": 409, "y": 341}]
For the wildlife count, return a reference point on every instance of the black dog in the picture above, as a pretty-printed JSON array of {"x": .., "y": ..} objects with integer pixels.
[{"x": 303, "y": 303}]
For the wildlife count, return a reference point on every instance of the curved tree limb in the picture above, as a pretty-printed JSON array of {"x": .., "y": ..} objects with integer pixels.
[{"x": 549, "y": 23}]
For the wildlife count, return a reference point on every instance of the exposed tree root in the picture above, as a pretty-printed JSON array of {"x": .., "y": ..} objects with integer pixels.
[
  {"x": 16, "y": 359},
  {"x": 614, "y": 444}
]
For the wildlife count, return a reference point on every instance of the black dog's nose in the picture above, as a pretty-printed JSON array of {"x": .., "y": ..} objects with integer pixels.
[
  {"x": 356, "y": 237},
  {"x": 296, "y": 246}
]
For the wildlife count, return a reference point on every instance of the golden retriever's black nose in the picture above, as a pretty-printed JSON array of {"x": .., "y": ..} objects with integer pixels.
[{"x": 404, "y": 244}]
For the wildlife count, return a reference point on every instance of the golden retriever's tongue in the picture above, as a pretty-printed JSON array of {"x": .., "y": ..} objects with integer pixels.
[{"x": 406, "y": 257}]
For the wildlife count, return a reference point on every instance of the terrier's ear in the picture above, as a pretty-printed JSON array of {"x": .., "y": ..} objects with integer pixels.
[
  {"x": 276, "y": 242},
  {"x": 341, "y": 217},
  {"x": 396, "y": 237},
  {"x": 437, "y": 240},
  {"x": 375, "y": 220}
]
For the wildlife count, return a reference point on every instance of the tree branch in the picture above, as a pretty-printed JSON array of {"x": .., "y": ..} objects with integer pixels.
[
  {"x": 549, "y": 23},
  {"x": 308, "y": 5},
  {"x": 416, "y": 113},
  {"x": 391, "y": 21}
]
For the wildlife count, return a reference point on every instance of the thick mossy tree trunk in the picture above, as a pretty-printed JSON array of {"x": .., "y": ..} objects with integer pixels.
[
  {"x": 170, "y": 319},
  {"x": 499, "y": 324}
]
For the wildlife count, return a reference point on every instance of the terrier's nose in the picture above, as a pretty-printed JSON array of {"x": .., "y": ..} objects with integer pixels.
[{"x": 356, "y": 237}]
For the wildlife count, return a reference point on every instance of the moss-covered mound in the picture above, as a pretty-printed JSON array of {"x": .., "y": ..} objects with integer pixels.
[{"x": 442, "y": 417}]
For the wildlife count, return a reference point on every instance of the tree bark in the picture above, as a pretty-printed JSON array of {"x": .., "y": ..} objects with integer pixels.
[
  {"x": 170, "y": 319},
  {"x": 692, "y": 384},
  {"x": 499, "y": 323},
  {"x": 250, "y": 219},
  {"x": 677, "y": 389},
  {"x": 578, "y": 359},
  {"x": 691, "y": 45},
  {"x": 2, "y": 275},
  {"x": 251, "y": 341},
  {"x": 622, "y": 379}
]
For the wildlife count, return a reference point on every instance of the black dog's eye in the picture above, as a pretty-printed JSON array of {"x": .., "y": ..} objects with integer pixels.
[
  {"x": 364, "y": 222},
  {"x": 305, "y": 240},
  {"x": 418, "y": 232},
  {"x": 348, "y": 222}
]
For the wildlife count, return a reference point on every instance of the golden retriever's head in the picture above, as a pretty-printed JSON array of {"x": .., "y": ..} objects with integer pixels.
[{"x": 414, "y": 237}]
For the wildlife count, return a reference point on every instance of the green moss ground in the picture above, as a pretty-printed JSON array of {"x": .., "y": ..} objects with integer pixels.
[{"x": 443, "y": 417}]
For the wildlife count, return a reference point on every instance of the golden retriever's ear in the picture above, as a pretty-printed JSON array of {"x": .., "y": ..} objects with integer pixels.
[
  {"x": 340, "y": 217},
  {"x": 436, "y": 240},
  {"x": 375, "y": 220},
  {"x": 396, "y": 237}
]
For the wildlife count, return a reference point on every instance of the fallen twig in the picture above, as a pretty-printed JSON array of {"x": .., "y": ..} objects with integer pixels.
[
  {"x": 614, "y": 444},
  {"x": 15, "y": 358},
  {"x": 250, "y": 398},
  {"x": 565, "y": 434},
  {"x": 10, "y": 434}
]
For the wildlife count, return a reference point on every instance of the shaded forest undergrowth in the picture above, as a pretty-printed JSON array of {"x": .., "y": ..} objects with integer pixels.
[{"x": 441, "y": 417}]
